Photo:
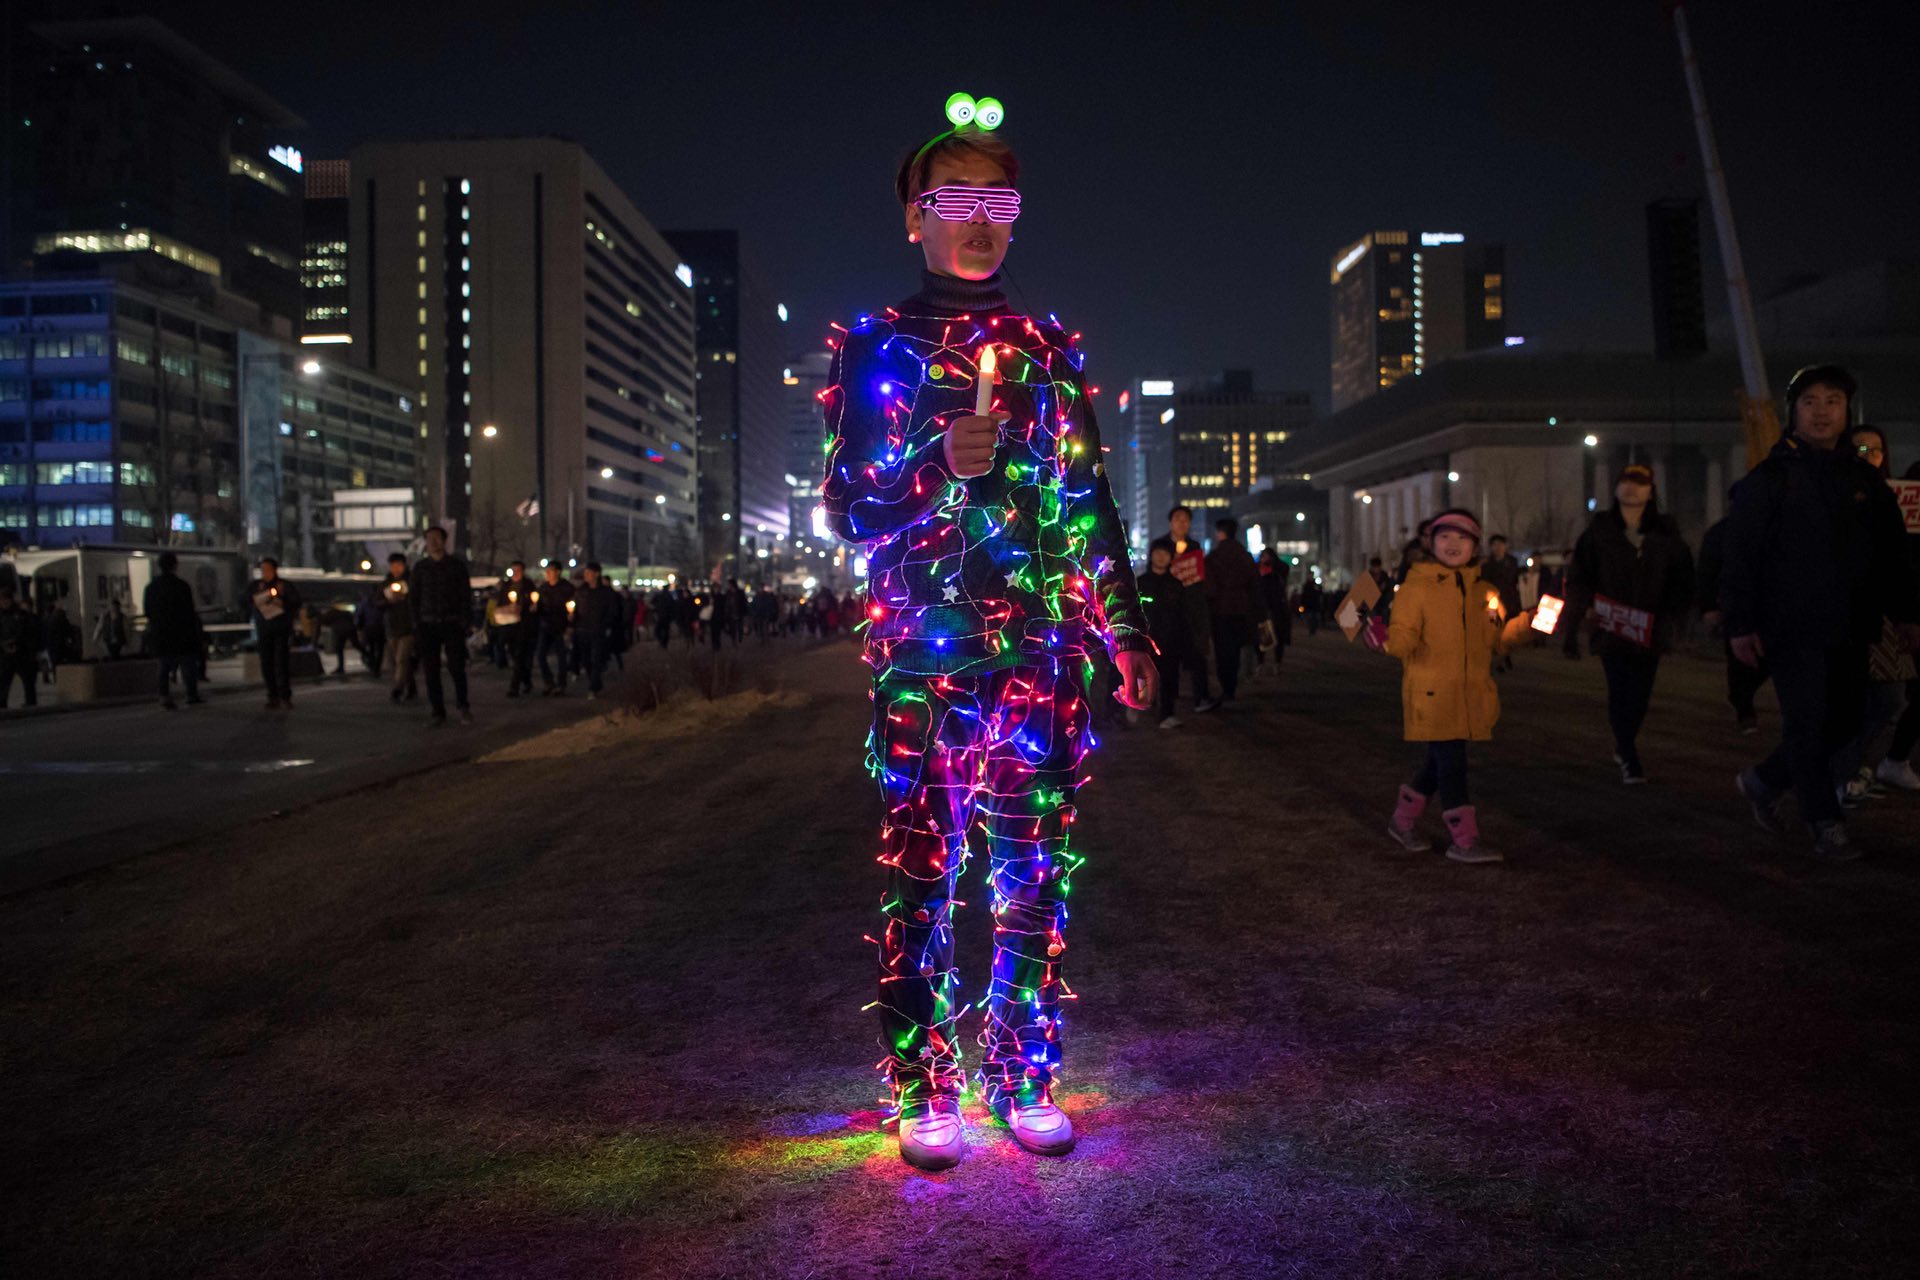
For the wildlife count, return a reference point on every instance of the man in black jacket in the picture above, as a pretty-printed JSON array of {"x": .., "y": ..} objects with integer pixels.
[
  {"x": 596, "y": 615},
  {"x": 275, "y": 603},
  {"x": 1234, "y": 602},
  {"x": 1743, "y": 681},
  {"x": 1815, "y": 558},
  {"x": 19, "y": 644},
  {"x": 442, "y": 598},
  {"x": 513, "y": 615},
  {"x": 553, "y": 606},
  {"x": 173, "y": 630}
]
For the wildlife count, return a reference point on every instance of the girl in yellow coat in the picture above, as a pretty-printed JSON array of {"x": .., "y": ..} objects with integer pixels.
[{"x": 1447, "y": 627}]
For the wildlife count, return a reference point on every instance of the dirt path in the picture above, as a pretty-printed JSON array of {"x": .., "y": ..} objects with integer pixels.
[{"x": 599, "y": 1015}]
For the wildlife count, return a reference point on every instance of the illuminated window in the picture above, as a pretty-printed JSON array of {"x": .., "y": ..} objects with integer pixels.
[
  {"x": 1490, "y": 281},
  {"x": 1493, "y": 309}
]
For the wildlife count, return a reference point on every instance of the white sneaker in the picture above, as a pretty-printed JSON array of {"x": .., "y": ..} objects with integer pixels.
[
  {"x": 1898, "y": 773},
  {"x": 1171, "y": 722},
  {"x": 936, "y": 1138},
  {"x": 1042, "y": 1129}
]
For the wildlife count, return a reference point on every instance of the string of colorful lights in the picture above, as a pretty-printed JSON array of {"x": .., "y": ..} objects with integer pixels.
[{"x": 987, "y": 596}]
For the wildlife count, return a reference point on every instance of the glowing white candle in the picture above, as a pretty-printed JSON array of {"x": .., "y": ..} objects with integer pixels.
[{"x": 983, "y": 388}]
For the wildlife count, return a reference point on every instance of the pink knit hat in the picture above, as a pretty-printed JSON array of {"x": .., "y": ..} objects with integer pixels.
[{"x": 1458, "y": 521}]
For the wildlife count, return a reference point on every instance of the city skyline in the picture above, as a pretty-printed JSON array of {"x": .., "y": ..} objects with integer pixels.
[{"x": 1279, "y": 155}]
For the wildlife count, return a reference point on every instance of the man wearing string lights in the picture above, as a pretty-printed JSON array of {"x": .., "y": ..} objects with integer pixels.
[{"x": 963, "y": 451}]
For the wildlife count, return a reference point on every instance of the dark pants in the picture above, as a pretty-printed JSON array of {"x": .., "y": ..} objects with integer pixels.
[
  {"x": 512, "y": 642},
  {"x": 1906, "y": 732},
  {"x": 23, "y": 667},
  {"x": 663, "y": 632},
  {"x": 1229, "y": 638},
  {"x": 596, "y": 648},
  {"x": 1822, "y": 693},
  {"x": 1444, "y": 770},
  {"x": 189, "y": 668},
  {"x": 1743, "y": 682},
  {"x": 375, "y": 653},
  {"x": 553, "y": 642},
  {"x": 1629, "y": 690},
  {"x": 1169, "y": 661},
  {"x": 1003, "y": 752},
  {"x": 276, "y": 661},
  {"x": 432, "y": 640}
]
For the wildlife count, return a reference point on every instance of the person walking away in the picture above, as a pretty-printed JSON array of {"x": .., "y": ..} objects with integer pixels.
[
  {"x": 737, "y": 610},
  {"x": 173, "y": 630},
  {"x": 1743, "y": 681},
  {"x": 1630, "y": 561},
  {"x": 685, "y": 613},
  {"x": 551, "y": 605},
  {"x": 596, "y": 615},
  {"x": 275, "y": 604},
  {"x": 19, "y": 645},
  {"x": 442, "y": 596},
  {"x": 1446, "y": 634},
  {"x": 1188, "y": 565},
  {"x": 1274, "y": 573},
  {"x": 512, "y": 612},
  {"x": 1167, "y": 625},
  {"x": 1234, "y": 602},
  {"x": 1816, "y": 556},
  {"x": 1502, "y": 572},
  {"x": 370, "y": 623},
  {"x": 110, "y": 629},
  {"x": 1890, "y": 666},
  {"x": 663, "y": 613}
]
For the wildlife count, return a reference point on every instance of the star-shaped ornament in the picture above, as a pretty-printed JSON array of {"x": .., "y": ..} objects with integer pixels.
[{"x": 952, "y": 593}]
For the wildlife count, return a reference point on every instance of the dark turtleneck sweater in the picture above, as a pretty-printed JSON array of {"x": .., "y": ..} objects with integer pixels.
[{"x": 950, "y": 295}]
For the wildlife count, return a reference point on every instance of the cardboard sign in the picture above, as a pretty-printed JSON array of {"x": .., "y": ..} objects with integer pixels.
[
  {"x": 1614, "y": 618},
  {"x": 268, "y": 603},
  {"x": 1365, "y": 594},
  {"x": 1908, "y": 493},
  {"x": 1546, "y": 614},
  {"x": 505, "y": 615},
  {"x": 1189, "y": 567}
]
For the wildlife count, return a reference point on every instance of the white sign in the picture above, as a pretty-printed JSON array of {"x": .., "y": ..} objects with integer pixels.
[
  {"x": 1431, "y": 238},
  {"x": 287, "y": 156},
  {"x": 1156, "y": 387}
]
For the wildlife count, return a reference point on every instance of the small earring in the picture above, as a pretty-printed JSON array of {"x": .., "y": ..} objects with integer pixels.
[{"x": 913, "y": 237}]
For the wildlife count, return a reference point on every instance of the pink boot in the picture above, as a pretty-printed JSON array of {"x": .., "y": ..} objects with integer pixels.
[
  {"x": 1406, "y": 812},
  {"x": 1465, "y": 828}
]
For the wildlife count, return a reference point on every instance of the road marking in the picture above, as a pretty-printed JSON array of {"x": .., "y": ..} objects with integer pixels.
[{"x": 149, "y": 766}]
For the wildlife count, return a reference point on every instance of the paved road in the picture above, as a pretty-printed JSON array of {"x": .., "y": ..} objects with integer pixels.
[{"x": 85, "y": 788}]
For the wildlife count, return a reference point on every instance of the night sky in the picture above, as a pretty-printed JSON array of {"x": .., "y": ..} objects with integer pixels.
[{"x": 1186, "y": 177}]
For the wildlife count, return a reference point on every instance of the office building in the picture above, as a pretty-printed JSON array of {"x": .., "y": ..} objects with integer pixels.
[
  {"x": 136, "y": 148},
  {"x": 547, "y": 332},
  {"x": 805, "y": 380},
  {"x": 323, "y": 261},
  {"x": 740, "y": 413},
  {"x": 1143, "y": 454},
  {"x": 132, "y": 415},
  {"x": 1404, "y": 301},
  {"x": 1227, "y": 437}
]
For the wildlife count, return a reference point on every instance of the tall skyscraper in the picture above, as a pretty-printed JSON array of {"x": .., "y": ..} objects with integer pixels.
[
  {"x": 740, "y": 414},
  {"x": 1227, "y": 437},
  {"x": 141, "y": 151},
  {"x": 1405, "y": 300},
  {"x": 1144, "y": 450},
  {"x": 805, "y": 379},
  {"x": 323, "y": 260},
  {"x": 549, "y": 332}
]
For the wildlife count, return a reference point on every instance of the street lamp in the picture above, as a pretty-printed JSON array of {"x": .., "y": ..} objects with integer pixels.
[
  {"x": 489, "y": 431},
  {"x": 606, "y": 473},
  {"x": 1591, "y": 441},
  {"x": 310, "y": 367}
]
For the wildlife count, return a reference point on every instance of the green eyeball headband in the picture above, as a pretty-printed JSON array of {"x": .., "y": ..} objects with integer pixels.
[{"x": 968, "y": 116}]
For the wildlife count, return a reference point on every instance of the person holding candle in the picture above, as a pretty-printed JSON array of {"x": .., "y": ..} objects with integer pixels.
[
  {"x": 965, "y": 456},
  {"x": 1630, "y": 555},
  {"x": 1447, "y": 627},
  {"x": 275, "y": 603}
]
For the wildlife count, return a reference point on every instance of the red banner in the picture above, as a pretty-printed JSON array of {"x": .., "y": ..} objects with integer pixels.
[
  {"x": 1622, "y": 620},
  {"x": 1908, "y": 492}
]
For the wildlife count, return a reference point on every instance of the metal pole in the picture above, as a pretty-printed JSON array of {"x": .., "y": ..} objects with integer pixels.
[{"x": 1757, "y": 410}]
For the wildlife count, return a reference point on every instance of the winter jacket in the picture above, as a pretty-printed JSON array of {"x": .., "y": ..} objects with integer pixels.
[
  {"x": 396, "y": 605},
  {"x": 1274, "y": 594},
  {"x": 550, "y": 604},
  {"x": 19, "y": 635},
  {"x": 1161, "y": 601},
  {"x": 173, "y": 624},
  {"x": 1816, "y": 552},
  {"x": 440, "y": 591},
  {"x": 1233, "y": 583},
  {"x": 1443, "y": 633},
  {"x": 1503, "y": 575},
  {"x": 1713, "y": 559},
  {"x": 1656, "y": 576},
  {"x": 1023, "y": 564},
  {"x": 1193, "y": 600},
  {"x": 596, "y": 610},
  {"x": 514, "y": 593},
  {"x": 288, "y": 597}
]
